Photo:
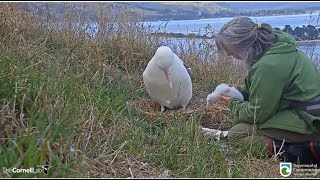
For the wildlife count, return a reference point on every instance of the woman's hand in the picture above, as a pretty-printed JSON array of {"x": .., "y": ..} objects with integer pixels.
[{"x": 224, "y": 100}]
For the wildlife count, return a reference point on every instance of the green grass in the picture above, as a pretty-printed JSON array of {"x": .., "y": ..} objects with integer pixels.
[{"x": 88, "y": 106}]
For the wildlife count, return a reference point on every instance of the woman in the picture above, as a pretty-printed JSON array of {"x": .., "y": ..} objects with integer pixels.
[{"x": 282, "y": 89}]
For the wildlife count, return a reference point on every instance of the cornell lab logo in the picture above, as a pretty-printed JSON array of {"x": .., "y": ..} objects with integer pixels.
[
  {"x": 285, "y": 169},
  {"x": 40, "y": 169}
]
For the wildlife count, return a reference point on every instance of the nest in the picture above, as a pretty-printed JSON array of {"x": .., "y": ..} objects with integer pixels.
[{"x": 215, "y": 116}]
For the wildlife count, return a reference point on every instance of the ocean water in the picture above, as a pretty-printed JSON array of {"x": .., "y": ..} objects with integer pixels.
[{"x": 199, "y": 26}]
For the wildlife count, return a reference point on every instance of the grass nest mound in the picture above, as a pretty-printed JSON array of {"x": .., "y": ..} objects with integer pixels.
[{"x": 215, "y": 116}]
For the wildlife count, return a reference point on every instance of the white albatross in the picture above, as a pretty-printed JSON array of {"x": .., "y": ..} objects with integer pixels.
[
  {"x": 167, "y": 79},
  {"x": 226, "y": 90}
]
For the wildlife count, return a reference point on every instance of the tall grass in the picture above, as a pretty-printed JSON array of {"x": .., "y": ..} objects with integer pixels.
[{"x": 65, "y": 93}]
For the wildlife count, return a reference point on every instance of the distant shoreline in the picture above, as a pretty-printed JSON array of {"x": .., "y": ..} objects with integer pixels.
[
  {"x": 314, "y": 13},
  {"x": 308, "y": 42},
  {"x": 301, "y": 42}
]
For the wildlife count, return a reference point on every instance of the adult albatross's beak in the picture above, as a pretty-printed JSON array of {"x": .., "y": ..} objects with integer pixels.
[{"x": 168, "y": 78}]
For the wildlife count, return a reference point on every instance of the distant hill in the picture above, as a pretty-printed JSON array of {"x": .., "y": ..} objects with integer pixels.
[
  {"x": 147, "y": 10},
  {"x": 154, "y": 11},
  {"x": 176, "y": 10}
]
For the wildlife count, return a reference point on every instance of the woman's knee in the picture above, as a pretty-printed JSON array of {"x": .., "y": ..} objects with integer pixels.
[{"x": 240, "y": 131}]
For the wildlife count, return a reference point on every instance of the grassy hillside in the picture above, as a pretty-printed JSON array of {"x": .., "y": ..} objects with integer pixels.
[
  {"x": 71, "y": 101},
  {"x": 146, "y": 10}
]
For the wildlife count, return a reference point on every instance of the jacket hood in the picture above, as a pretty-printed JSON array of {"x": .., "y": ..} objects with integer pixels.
[{"x": 285, "y": 43}]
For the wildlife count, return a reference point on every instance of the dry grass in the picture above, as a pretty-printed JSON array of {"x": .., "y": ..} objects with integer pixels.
[
  {"x": 260, "y": 168},
  {"x": 120, "y": 165}
]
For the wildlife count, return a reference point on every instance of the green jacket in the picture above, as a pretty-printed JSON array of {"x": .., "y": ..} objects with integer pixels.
[{"x": 283, "y": 74}]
